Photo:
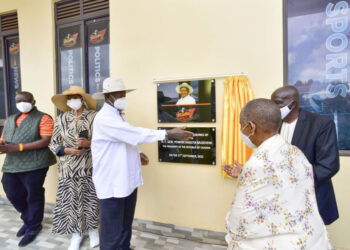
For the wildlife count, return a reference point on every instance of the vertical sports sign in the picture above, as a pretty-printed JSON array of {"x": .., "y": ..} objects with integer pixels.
[{"x": 317, "y": 59}]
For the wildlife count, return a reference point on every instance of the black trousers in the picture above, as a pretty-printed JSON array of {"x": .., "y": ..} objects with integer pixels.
[
  {"x": 116, "y": 217},
  {"x": 26, "y": 193}
]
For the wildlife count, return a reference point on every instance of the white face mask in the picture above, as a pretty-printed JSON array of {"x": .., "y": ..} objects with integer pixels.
[
  {"x": 74, "y": 104},
  {"x": 24, "y": 107},
  {"x": 285, "y": 111},
  {"x": 120, "y": 103},
  {"x": 246, "y": 139}
]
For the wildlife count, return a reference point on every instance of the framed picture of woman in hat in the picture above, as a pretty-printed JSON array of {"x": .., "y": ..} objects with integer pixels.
[{"x": 186, "y": 101}]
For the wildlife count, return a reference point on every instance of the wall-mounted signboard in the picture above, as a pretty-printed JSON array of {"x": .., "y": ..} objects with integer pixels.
[
  {"x": 186, "y": 101},
  {"x": 14, "y": 75},
  {"x": 200, "y": 150},
  {"x": 98, "y": 54},
  {"x": 316, "y": 59},
  {"x": 71, "y": 54}
]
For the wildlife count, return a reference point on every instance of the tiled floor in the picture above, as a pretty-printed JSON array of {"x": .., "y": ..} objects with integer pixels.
[{"x": 146, "y": 235}]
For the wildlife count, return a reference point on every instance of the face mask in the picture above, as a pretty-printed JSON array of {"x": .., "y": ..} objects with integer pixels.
[
  {"x": 246, "y": 139},
  {"x": 285, "y": 111},
  {"x": 74, "y": 104},
  {"x": 24, "y": 107},
  {"x": 120, "y": 103}
]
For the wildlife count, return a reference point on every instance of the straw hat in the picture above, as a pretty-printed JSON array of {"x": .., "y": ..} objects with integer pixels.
[
  {"x": 184, "y": 85},
  {"x": 111, "y": 85},
  {"x": 60, "y": 100}
]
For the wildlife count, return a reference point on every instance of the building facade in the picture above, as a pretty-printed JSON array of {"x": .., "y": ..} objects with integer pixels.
[{"x": 160, "y": 39}]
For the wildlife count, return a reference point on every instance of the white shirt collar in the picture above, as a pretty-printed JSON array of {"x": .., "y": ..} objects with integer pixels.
[{"x": 112, "y": 109}]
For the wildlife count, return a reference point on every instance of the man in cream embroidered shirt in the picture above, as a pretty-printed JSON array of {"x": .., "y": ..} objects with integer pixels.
[{"x": 275, "y": 204}]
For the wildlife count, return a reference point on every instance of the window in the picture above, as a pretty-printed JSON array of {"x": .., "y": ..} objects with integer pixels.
[
  {"x": 318, "y": 66},
  {"x": 82, "y": 44},
  {"x": 10, "y": 75}
]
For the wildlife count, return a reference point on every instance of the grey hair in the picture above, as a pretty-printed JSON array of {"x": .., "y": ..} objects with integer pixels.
[{"x": 264, "y": 113}]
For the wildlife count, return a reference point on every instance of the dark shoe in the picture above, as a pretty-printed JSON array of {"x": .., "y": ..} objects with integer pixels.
[
  {"x": 21, "y": 231},
  {"x": 29, "y": 237}
]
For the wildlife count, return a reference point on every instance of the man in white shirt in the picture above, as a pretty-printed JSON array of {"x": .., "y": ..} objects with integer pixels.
[
  {"x": 117, "y": 164},
  {"x": 184, "y": 89}
]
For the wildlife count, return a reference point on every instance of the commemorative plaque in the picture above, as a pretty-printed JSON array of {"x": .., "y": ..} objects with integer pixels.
[
  {"x": 186, "y": 101},
  {"x": 200, "y": 150}
]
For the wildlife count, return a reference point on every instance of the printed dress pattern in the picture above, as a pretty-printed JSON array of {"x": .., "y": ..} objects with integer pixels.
[
  {"x": 76, "y": 209},
  {"x": 275, "y": 205}
]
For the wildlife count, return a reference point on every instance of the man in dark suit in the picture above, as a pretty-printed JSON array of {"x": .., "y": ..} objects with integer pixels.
[{"x": 316, "y": 136}]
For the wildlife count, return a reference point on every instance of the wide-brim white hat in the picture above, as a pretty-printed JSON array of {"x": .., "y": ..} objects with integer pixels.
[
  {"x": 111, "y": 85},
  {"x": 184, "y": 85}
]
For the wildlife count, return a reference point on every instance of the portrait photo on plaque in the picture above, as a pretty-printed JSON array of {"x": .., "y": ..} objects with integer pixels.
[
  {"x": 200, "y": 150},
  {"x": 186, "y": 101}
]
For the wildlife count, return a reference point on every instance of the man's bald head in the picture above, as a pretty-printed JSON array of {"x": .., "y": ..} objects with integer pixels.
[
  {"x": 286, "y": 93},
  {"x": 264, "y": 113},
  {"x": 287, "y": 96}
]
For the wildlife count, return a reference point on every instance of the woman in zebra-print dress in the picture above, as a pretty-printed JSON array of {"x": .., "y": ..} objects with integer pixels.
[{"x": 76, "y": 210}]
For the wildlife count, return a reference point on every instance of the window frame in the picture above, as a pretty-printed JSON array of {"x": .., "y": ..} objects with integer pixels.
[
  {"x": 83, "y": 20},
  {"x": 3, "y": 36},
  {"x": 86, "y": 41},
  {"x": 58, "y": 54},
  {"x": 285, "y": 57}
]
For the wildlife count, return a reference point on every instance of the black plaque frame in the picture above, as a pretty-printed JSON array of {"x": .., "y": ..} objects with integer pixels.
[
  {"x": 201, "y": 150},
  {"x": 202, "y": 111}
]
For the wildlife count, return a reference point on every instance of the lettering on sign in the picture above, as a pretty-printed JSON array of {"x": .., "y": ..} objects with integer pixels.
[
  {"x": 200, "y": 150},
  {"x": 97, "y": 66},
  {"x": 15, "y": 77},
  {"x": 70, "y": 67},
  {"x": 336, "y": 44}
]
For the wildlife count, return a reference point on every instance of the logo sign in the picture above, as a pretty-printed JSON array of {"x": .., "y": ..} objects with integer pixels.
[
  {"x": 97, "y": 36},
  {"x": 14, "y": 48},
  {"x": 185, "y": 114},
  {"x": 70, "y": 40}
]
